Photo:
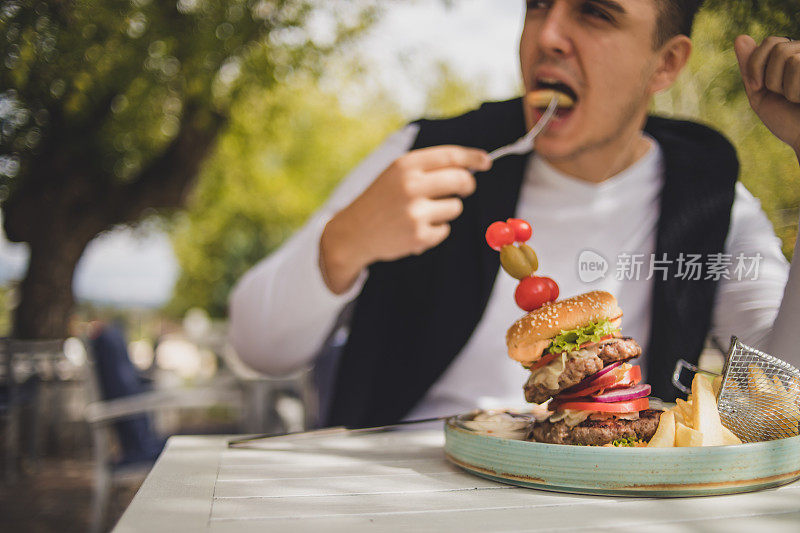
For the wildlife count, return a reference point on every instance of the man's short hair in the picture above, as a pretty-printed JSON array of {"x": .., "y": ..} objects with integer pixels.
[{"x": 675, "y": 17}]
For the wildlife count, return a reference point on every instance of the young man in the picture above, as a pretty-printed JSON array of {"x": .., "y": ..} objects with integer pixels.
[{"x": 403, "y": 235}]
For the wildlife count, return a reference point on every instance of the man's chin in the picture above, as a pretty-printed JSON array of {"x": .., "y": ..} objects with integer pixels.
[{"x": 557, "y": 150}]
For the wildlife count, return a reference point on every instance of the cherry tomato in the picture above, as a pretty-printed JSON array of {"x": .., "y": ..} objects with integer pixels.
[
  {"x": 553, "y": 288},
  {"x": 532, "y": 293},
  {"x": 639, "y": 404},
  {"x": 499, "y": 234},
  {"x": 522, "y": 230}
]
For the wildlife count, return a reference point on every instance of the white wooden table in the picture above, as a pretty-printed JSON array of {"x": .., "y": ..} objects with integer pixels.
[{"x": 400, "y": 480}]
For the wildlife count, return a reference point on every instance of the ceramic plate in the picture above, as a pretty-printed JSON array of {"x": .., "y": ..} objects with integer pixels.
[{"x": 624, "y": 471}]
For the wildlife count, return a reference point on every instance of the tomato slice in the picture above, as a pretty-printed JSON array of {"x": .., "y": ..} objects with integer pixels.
[
  {"x": 593, "y": 342},
  {"x": 609, "y": 381},
  {"x": 631, "y": 377},
  {"x": 543, "y": 361},
  {"x": 639, "y": 404}
]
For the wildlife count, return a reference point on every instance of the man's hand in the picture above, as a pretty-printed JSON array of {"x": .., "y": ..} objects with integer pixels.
[
  {"x": 771, "y": 74},
  {"x": 405, "y": 211}
]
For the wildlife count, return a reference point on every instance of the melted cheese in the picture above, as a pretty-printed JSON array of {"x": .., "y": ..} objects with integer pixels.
[{"x": 571, "y": 417}]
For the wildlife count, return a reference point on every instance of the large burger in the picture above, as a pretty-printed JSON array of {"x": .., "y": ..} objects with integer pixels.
[{"x": 580, "y": 362}]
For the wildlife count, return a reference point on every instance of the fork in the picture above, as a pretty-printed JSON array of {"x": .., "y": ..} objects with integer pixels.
[{"x": 524, "y": 144}]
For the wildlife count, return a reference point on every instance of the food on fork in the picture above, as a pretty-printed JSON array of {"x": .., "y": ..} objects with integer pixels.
[{"x": 542, "y": 97}]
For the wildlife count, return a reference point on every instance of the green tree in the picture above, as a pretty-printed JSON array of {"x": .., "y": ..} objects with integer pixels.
[
  {"x": 109, "y": 107},
  {"x": 451, "y": 95},
  {"x": 762, "y": 17}
]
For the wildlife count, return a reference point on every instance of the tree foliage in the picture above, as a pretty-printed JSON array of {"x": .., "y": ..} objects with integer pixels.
[
  {"x": 130, "y": 73},
  {"x": 109, "y": 107},
  {"x": 450, "y": 94},
  {"x": 762, "y": 17}
]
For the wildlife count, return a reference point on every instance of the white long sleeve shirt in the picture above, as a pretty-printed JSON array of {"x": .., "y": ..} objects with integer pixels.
[{"x": 282, "y": 311}]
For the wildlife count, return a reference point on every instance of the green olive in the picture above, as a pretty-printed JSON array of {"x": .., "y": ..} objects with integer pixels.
[
  {"x": 514, "y": 262},
  {"x": 530, "y": 255}
]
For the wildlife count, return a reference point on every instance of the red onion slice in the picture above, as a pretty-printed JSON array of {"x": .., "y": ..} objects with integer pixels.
[{"x": 623, "y": 395}]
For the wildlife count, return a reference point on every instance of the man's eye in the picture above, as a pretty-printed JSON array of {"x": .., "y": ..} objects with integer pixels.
[
  {"x": 539, "y": 4},
  {"x": 594, "y": 11}
]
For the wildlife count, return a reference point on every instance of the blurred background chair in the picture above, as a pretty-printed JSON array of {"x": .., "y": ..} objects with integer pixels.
[
  {"x": 120, "y": 414},
  {"x": 27, "y": 367},
  {"x": 58, "y": 396}
]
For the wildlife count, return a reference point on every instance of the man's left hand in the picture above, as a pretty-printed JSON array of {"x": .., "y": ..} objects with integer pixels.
[{"x": 771, "y": 74}]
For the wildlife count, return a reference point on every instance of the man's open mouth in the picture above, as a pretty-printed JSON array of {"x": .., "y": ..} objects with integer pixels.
[
  {"x": 553, "y": 84},
  {"x": 556, "y": 85}
]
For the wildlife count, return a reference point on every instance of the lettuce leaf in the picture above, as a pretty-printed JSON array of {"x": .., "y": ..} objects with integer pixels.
[
  {"x": 632, "y": 442},
  {"x": 570, "y": 340}
]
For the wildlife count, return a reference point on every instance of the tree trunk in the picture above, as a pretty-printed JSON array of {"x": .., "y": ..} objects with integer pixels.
[
  {"x": 57, "y": 213},
  {"x": 46, "y": 298}
]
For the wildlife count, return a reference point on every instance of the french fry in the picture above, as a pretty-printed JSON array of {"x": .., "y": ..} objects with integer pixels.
[
  {"x": 716, "y": 384},
  {"x": 758, "y": 383},
  {"x": 678, "y": 414},
  {"x": 696, "y": 421},
  {"x": 777, "y": 403},
  {"x": 785, "y": 416},
  {"x": 736, "y": 427},
  {"x": 730, "y": 437},
  {"x": 686, "y": 436},
  {"x": 794, "y": 386},
  {"x": 686, "y": 410},
  {"x": 793, "y": 389},
  {"x": 664, "y": 436},
  {"x": 734, "y": 388},
  {"x": 778, "y": 385},
  {"x": 705, "y": 416}
]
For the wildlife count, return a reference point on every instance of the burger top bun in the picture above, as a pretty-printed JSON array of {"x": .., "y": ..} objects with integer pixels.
[{"x": 531, "y": 334}]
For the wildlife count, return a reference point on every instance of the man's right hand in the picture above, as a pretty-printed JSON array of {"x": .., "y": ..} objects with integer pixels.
[{"x": 405, "y": 211}]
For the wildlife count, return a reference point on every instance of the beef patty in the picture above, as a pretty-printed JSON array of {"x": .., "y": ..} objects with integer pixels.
[
  {"x": 576, "y": 369},
  {"x": 598, "y": 432},
  {"x": 620, "y": 349}
]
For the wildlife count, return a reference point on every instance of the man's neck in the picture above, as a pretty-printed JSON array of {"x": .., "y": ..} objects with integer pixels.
[{"x": 599, "y": 164}]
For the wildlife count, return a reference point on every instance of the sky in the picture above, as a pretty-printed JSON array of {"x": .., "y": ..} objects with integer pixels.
[{"x": 477, "y": 38}]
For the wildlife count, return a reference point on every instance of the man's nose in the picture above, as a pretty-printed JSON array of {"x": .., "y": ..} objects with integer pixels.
[{"x": 554, "y": 34}]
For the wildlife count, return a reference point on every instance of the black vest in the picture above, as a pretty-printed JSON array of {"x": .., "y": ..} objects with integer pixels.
[{"x": 414, "y": 315}]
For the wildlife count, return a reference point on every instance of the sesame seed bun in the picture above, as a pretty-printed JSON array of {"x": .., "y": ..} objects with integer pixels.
[{"x": 533, "y": 333}]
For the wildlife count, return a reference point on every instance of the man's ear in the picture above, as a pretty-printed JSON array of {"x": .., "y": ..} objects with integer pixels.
[{"x": 672, "y": 57}]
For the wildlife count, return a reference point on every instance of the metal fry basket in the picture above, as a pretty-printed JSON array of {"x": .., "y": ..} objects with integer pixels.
[{"x": 758, "y": 394}]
